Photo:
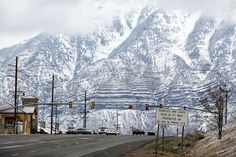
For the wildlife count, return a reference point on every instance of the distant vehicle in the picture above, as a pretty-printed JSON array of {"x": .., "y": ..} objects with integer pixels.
[
  {"x": 84, "y": 131},
  {"x": 41, "y": 131},
  {"x": 71, "y": 130},
  {"x": 102, "y": 130},
  {"x": 138, "y": 132},
  {"x": 151, "y": 133},
  {"x": 111, "y": 131}
]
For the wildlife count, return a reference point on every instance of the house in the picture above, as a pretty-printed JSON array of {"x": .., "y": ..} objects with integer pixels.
[{"x": 26, "y": 117}]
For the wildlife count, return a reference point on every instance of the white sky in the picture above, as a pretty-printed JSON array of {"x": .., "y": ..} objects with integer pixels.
[{"x": 21, "y": 19}]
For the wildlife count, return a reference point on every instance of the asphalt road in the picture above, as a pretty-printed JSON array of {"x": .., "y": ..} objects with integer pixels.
[{"x": 69, "y": 145}]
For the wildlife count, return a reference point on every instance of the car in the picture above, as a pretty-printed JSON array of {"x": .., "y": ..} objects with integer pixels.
[
  {"x": 151, "y": 133},
  {"x": 84, "y": 131},
  {"x": 111, "y": 131},
  {"x": 41, "y": 131},
  {"x": 102, "y": 130},
  {"x": 71, "y": 130},
  {"x": 138, "y": 132}
]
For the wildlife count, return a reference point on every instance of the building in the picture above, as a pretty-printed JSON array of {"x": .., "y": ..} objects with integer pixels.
[{"x": 26, "y": 119}]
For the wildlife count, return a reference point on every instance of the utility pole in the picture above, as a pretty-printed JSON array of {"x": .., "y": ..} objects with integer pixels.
[
  {"x": 226, "y": 104},
  {"x": 226, "y": 101},
  {"x": 117, "y": 120},
  {"x": 56, "y": 120},
  {"x": 15, "y": 98},
  {"x": 52, "y": 103},
  {"x": 85, "y": 106}
]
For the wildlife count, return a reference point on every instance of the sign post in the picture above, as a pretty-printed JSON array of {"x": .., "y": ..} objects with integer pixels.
[
  {"x": 157, "y": 139},
  {"x": 177, "y": 117}
]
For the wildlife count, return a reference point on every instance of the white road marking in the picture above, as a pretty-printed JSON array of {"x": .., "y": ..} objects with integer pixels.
[
  {"x": 15, "y": 155},
  {"x": 84, "y": 138}
]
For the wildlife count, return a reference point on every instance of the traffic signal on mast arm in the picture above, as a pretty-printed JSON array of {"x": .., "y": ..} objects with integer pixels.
[
  {"x": 130, "y": 106},
  {"x": 146, "y": 107},
  {"x": 70, "y": 104},
  {"x": 161, "y": 105},
  {"x": 92, "y": 104}
]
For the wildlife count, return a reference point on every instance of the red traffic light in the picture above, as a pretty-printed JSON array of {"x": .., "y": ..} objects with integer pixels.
[{"x": 70, "y": 104}]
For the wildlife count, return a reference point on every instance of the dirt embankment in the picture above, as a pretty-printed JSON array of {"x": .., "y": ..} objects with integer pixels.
[{"x": 195, "y": 145}]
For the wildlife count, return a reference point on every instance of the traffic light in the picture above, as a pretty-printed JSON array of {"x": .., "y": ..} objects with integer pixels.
[
  {"x": 130, "y": 106},
  {"x": 92, "y": 104},
  {"x": 161, "y": 105},
  {"x": 70, "y": 104},
  {"x": 146, "y": 107}
]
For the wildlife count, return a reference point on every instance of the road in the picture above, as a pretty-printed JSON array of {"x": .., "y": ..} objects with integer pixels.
[{"x": 68, "y": 145}]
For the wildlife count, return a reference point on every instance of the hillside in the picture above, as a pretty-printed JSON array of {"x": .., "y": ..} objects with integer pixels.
[{"x": 210, "y": 146}]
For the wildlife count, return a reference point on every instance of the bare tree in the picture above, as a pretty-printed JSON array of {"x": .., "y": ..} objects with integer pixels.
[{"x": 214, "y": 103}]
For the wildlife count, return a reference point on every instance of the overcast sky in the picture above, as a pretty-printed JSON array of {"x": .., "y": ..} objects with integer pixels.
[{"x": 21, "y": 19}]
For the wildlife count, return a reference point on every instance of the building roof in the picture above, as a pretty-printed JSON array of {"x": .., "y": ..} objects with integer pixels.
[
  {"x": 29, "y": 97},
  {"x": 8, "y": 108}
]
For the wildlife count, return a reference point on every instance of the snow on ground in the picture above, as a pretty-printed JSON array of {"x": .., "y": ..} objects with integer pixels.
[{"x": 211, "y": 146}]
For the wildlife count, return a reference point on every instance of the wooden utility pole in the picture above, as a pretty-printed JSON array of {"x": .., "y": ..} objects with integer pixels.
[
  {"x": 52, "y": 103},
  {"x": 226, "y": 105},
  {"x": 85, "y": 108},
  {"x": 15, "y": 98},
  {"x": 56, "y": 120},
  {"x": 117, "y": 120}
]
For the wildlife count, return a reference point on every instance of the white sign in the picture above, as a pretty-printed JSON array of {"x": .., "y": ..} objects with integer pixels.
[{"x": 165, "y": 116}]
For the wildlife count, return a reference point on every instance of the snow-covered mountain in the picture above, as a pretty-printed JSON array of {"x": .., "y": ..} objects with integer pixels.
[{"x": 150, "y": 56}]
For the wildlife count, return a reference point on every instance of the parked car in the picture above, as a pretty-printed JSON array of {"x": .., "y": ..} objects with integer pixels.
[
  {"x": 138, "y": 132},
  {"x": 84, "y": 131},
  {"x": 111, "y": 131},
  {"x": 151, "y": 133},
  {"x": 71, "y": 130},
  {"x": 102, "y": 130},
  {"x": 41, "y": 131}
]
